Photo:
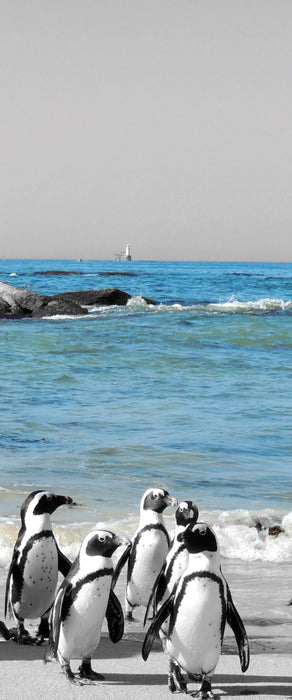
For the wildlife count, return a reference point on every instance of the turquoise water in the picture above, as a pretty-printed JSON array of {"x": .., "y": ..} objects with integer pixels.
[{"x": 194, "y": 393}]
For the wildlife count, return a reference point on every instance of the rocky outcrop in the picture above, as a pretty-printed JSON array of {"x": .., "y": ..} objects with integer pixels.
[
  {"x": 97, "y": 297},
  {"x": 19, "y": 303}
]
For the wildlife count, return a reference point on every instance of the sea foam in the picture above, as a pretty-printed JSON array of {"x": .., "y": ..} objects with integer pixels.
[{"x": 242, "y": 534}]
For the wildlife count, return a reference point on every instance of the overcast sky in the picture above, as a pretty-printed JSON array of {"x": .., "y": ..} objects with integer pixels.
[{"x": 165, "y": 124}]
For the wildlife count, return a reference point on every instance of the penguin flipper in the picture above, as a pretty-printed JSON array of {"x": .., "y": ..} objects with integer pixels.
[
  {"x": 162, "y": 614},
  {"x": 64, "y": 564},
  {"x": 115, "y": 618},
  {"x": 237, "y": 626},
  {"x": 63, "y": 594},
  {"x": 158, "y": 590},
  {"x": 120, "y": 564},
  {"x": 17, "y": 579}
]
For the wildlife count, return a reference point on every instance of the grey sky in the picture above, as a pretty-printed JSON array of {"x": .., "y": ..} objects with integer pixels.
[{"x": 166, "y": 124}]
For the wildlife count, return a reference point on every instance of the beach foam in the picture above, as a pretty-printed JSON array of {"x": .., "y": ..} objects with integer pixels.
[{"x": 238, "y": 536}]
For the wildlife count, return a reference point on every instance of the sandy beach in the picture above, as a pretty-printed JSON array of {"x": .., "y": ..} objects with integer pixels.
[{"x": 25, "y": 676}]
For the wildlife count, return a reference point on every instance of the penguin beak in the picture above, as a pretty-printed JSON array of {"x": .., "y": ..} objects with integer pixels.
[
  {"x": 70, "y": 502},
  {"x": 171, "y": 501},
  {"x": 121, "y": 541},
  {"x": 189, "y": 513},
  {"x": 67, "y": 500},
  {"x": 55, "y": 501}
]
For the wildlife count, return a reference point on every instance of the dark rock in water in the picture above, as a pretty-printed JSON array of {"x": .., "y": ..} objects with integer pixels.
[
  {"x": 97, "y": 297},
  {"x": 275, "y": 530},
  {"x": 59, "y": 307},
  {"x": 68, "y": 273},
  {"x": 55, "y": 272},
  {"x": 117, "y": 274},
  {"x": 149, "y": 301},
  {"x": 20, "y": 303}
]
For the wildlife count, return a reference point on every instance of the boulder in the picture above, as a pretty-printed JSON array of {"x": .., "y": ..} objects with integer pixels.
[
  {"x": 21, "y": 303},
  {"x": 97, "y": 297},
  {"x": 58, "y": 307}
]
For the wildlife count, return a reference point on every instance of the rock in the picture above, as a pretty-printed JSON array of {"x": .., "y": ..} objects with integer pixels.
[
  {"x": 275, "y": 530},
  {"x": 98, "y": 297},
  {"x": 59, "y": 307},
  {"x": 21, "y": 303}
]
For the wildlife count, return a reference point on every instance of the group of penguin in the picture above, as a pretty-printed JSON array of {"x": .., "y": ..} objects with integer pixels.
[{"x": 180, "y": 584}]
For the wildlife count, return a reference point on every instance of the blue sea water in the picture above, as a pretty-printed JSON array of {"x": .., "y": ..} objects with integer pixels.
[{"x": 193, "y": 393}]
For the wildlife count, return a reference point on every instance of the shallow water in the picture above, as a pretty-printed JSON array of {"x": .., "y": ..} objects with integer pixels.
[{"x": 193, "y": 393}]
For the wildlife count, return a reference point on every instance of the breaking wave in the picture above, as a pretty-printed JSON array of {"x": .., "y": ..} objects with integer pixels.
[{"x": 244, "y": 535}]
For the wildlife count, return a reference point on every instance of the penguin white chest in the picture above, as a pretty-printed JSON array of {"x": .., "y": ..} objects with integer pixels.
[
  {"x": 40, "y": 575},
  {"x": 195, "y": 641},
  {"x": 151, "y": 551},
  {"x": 80, "y": 632}
]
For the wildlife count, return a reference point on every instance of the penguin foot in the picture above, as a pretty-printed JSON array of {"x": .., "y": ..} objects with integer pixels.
[
  {"x": 43, "y": 630},
  {"x": 129, "y": 616},
  {"x": 20, "y": 635},
  {"x": 205, "y": 692},
  {"x": 176, "y": 682},
  {"x": 71, "y": 677},
  {"x": 4, "y": 631},
  {"x": 86, "y": 671}
]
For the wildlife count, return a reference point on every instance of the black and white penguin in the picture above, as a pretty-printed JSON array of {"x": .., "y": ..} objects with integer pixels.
[
  {"x": 149, "y": 547},
  {"x": 84, "y": 598},
  {"x": 33, "y": 573},
  {"x": 177, "y": 558},
  {"x": 196, "y": 613}
]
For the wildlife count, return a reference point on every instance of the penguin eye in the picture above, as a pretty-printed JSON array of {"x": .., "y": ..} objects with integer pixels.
[
  {"x": 203, "y": 531},
  {"x": 102, "y": 538},
  {"x": 49, "y": 496},
  {"x": 155, "y": 495}
]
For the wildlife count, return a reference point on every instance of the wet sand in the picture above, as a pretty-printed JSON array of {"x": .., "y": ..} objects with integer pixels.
[{"x": 25, "y": 676}]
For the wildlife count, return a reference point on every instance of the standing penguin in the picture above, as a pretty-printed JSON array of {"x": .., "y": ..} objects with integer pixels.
[
  {"x": 177, "y": 558},
  {"x": 83, "y": 600},
  {"x": 149, "y": 548},
  {"x": 196, "y": 613},
  {"x": 33, "y": 573}
]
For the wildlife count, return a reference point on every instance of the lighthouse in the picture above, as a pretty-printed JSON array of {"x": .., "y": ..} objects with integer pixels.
[{"x": 127, "y": 253}]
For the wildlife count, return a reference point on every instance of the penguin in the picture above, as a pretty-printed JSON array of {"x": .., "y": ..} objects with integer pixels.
[
  {"x": 195, "y": 615},
  {"x": 177, "y": 558},
  {"x": 33, "y": 572},
  {"x": 149, "y": 547},
  {"x": 84, "y": 598}
]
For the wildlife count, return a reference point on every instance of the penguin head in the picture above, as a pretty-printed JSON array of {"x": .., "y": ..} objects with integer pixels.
[
  {"x": 157, "y": 500},
  {"x": 199, "y": 537},
  {"x": 102, "y": 543},
  {"x": 40, "y": 503},
  {"x": 186, "y": 513}
]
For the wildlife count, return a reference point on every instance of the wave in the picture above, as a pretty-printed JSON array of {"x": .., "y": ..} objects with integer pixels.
[
  {"x": 250, "y": 536},
  {"x": 232, "y": 306},
  {"x": 261, "y": 306}
]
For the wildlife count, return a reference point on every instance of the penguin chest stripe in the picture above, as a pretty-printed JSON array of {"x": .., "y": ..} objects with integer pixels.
[
  {"x": 81, "y": 585},
  {"x": 35, "y": 579},
  {"x": 150, "y": 534},
  {"x": 197, "y": 596},
  {"x": 33, "y": 542},
  {"x": 82, "y": 621}
]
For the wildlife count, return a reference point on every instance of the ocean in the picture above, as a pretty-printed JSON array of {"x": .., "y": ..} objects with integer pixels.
[{"x": 193, "y": 394}]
